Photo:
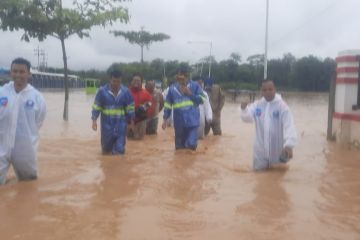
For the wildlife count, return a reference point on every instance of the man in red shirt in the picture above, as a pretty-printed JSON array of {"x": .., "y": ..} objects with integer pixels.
[{"x": 143, "y": 107}]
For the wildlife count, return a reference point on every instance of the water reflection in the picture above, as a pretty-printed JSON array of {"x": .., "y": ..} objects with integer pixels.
[{"x": 154, "y": 192}]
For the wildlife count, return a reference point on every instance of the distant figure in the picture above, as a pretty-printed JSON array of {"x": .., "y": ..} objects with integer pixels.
[
  {"x": 217, "y": 101},
  {"x": 143, "y": 107},
  {"x": 205, "y": 110},
  {"x": 184, "y": 98},
  {"x": 116, "y": 106},
  {"x": 22, "y": 112},
  {"x": 157, "y": 104},
  {"x": 275, "y": 130}
]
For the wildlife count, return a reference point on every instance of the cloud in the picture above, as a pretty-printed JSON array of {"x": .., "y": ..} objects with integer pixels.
[{"x": 321, "y": 28}]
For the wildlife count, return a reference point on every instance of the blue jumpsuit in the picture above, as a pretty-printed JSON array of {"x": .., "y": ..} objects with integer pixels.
[
  {"x": 186, "y": 114},
  {"x": 115, "y": 112}
]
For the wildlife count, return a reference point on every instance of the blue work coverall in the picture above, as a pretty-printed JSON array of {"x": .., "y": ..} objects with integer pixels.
[
  {"x": 186, "y": 114},
  {"x": 115, "y": 113}
]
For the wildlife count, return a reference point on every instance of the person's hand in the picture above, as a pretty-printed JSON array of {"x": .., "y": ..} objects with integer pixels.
[
  {"x": 243, "y": 105},
  {"x": 288, "y": 151},
  {"x": 94, "y": 125},
  {"x": 185, "y": 90},
  {"x": 164, "y": 125}
]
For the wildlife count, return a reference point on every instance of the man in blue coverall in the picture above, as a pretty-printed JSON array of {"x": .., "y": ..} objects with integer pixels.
[
  {"x": 184, "y": 98},
  {"x": 115, "y": 104}
]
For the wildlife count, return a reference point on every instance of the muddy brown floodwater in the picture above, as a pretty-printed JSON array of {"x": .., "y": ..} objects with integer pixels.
[{"x": 155, "y": 193}]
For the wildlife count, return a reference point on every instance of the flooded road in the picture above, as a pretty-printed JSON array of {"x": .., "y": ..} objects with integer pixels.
[{"x": 153, "y": 192}]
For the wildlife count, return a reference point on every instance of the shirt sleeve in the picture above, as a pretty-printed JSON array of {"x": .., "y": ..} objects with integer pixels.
[
  {"x": 149, "y": 99},
  {"x": 97, "y": 107},
  {"x": 130, "y": 106},
  {"x": 222, "y": 99},
  {"x": 40, "y": 117},
  {"x": 197, "y": 96},
  {"x": 247, "y": 115},
  {"x": 289, "y": 131},
  {"x": 168, "y": 104},
  {"x": 208, "y": 110}
]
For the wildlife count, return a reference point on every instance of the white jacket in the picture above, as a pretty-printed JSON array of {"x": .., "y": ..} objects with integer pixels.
[
  {"x": 21, "y": 116},
  {"x": 206, "y": 115},
  {"x": 274, "y": 130}
]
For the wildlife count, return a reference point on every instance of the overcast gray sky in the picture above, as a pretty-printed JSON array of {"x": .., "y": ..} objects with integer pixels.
[{"x": 302, "y": 27}]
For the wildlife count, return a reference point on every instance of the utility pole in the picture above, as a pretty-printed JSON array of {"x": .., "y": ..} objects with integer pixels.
[
  {"x": 41, "y": 58},
  {"x": 43, "y": 63},
  {"x": 266, "y": 39},
  {"x": 37, "y": 53},
  {"x": 210, "y": 53}
]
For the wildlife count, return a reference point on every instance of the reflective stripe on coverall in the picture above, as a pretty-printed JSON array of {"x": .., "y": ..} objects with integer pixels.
[
  {"x": 185, "y": 112},
  {"x": 275, "y": 130},
  {"x": 115, "y": 112},
  {"x": 206, "y": 115},
  {"x": 21, "y": 116}
]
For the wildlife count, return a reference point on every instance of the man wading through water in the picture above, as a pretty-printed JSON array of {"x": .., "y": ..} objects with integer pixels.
[{"x": 275, "y": 130}]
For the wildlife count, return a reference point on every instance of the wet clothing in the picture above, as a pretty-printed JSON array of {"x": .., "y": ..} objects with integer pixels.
[
  {"x": 152, "y": 125},
  {"x": 170, "y": 120},
  {"x": 115, "y": 112},
  {"x": 157, "y": 103},
  {"x": 141, "y": 96},
  {"x": 275, "y": 130},
  {"x": 21, "y": 116},
  {"x": 217, "y": 101},
  {"x": 143, "y": 109},
  {"x": 205, "y": 115},
  {"x": 185, "y": 112},
  {"x": 139, "y": 130}
]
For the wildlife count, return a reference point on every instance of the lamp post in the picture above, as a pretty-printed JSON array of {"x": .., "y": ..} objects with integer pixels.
[
  {"x": 266, "y": 39},
  {"x": 210, "y": 56}
]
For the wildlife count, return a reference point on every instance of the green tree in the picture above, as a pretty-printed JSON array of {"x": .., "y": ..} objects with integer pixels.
[
  {"x": 236, "y": 57},
  {"x": 308, "y": 74},
  {"x": 141, "y": 38},
  {"x": 256, "y": 60},
  {"x": 42, "y": 18}
]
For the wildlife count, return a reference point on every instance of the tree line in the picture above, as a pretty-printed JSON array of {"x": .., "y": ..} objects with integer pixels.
[{"x": 307, "y": 73}]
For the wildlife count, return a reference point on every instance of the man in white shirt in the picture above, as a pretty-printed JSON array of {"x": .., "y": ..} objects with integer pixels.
[
  {"x": 275, "y": 130},
  {"x": 22, "y": 112}
]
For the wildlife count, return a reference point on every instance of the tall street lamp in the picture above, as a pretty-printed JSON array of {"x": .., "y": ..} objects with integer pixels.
[
  {"x": 210, "y": 56},
  {"x": 266, "y": 39}
]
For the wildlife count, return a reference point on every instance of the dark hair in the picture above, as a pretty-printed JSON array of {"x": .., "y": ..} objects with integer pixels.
[
  {"x": 150, "y": 80},
  {"x": 116, "y": 73},
  {"x": 137, "y": 75},
  {"x": 22, "y": 61},
  {"x": 267, "y": 80},
  {"x": 183, "y": 70}
]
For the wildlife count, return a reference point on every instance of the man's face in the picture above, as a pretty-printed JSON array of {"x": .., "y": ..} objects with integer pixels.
[
  {"x": 181, "y": 78},
  {"x": 150, "y": 86},
  {"x": 20, "y": 74},
  {"x": 268, "y": 90},
  {"x": 136, "y": 82},
  {"x": 115, "y": 83}
]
